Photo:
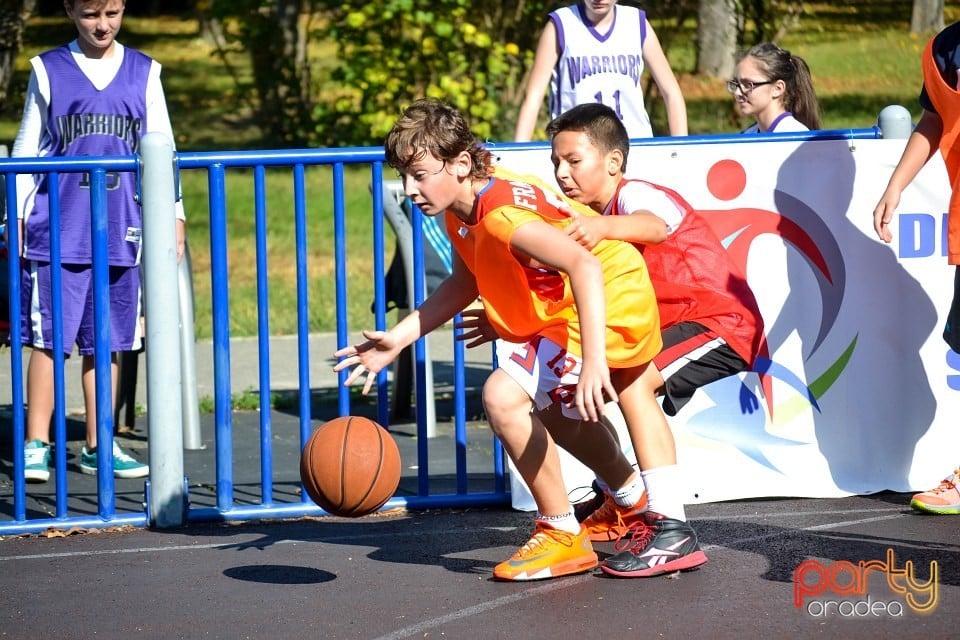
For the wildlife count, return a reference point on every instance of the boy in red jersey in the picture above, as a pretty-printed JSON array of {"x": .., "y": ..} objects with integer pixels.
[
  {"x": 584, "y": 323},
  {"x": 710, "y": 322}
]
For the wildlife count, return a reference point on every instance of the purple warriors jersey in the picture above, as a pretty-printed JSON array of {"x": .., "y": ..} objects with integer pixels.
[
  {"x": 84, "y": 121},
  {"x": 601, "y": 67}
]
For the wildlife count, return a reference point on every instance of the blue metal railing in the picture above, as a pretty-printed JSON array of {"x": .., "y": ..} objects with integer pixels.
[
  {"x": 216, "y": 165},
  {"x": 97, "y": 168}
]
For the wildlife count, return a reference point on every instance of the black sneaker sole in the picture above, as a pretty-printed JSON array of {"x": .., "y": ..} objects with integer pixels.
[{"x": 689, "y": 562}]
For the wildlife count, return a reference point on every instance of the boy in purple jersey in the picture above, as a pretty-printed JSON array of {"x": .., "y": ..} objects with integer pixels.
[
  {"x": 90, "y": 97},
  {"x": 596, "y": 52}
]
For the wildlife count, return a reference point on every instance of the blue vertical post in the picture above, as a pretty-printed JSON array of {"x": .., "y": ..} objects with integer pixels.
[
  {"x": 221, "y": 336},
  {"x": 379, "y": 298},
  {"x": 102, "y": 356},
  {"x": 340, "y": 272},
  {"x": 426, "y": 421},
  {"x": 303, "y": 317},
  {"x": 16, "y": 350},
  {"x": 263, "y": 333},
  {"x": 167, "y": 498},
  {"x": 59, "y": 378}
]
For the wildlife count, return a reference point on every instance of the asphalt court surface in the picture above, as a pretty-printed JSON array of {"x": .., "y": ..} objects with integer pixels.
[{"x": 428, "y": 574}]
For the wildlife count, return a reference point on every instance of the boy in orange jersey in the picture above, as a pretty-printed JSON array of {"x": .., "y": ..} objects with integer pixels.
[
  {"x": 939, "y": 127},
  {"x": 585, "y": 327},
  {"x": 709, "y": 318}
]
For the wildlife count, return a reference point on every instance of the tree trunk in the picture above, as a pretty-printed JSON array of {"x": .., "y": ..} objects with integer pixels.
[
  {"x": 281, "y": 72},
  {"x": 927, "y": 16},
  {"x": 717, "y": 38},
  {"x": 13, "y": 20}
]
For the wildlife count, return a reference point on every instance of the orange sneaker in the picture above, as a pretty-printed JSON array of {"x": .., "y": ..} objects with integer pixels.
[
  {"x": 549, "y": 553},
  {"x": 611, "y": 521},
  {"x": 945, "y": 499}
]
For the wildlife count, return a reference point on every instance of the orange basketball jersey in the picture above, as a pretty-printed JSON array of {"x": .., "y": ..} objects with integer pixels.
[
  {"x": 523, "y": 301},
  {"x": 946, "y": 99}
]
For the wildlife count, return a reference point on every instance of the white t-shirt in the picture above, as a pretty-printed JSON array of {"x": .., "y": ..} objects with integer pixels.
[{"x": 634, "y": 196}]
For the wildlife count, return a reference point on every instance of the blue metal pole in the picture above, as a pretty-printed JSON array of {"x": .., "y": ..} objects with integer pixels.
[
  {"x": 102, "y": 355},
  {"x": 379, "y": 288},
  {"x": 303, "y": 324},
  {"x": 263, "y": 333},
  {"x": 424, "y": 428},
  {"x": 459, "y": 409},
  {"x": 219, "y": 277},
  {"x": 59, "y": 377},
  {"x": 16, "y": 349},
  {"x": 340, "y": 272}
]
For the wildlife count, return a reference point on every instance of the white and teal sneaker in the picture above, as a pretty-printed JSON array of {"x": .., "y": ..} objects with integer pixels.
[
  {"x": 36, "y": 455},
  {"x": 124, "y": 465}
]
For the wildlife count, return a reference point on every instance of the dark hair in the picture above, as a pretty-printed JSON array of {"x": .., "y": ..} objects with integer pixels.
[
  {"x": 779, "y": 64},
  {"x": 601, "y": 124},
  {"x": 431, "y": 126}
]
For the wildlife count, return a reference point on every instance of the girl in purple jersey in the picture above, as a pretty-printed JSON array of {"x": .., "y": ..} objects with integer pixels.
[
  {"x": 774, "y": 87},
  {"x": 91, "y": 97}
]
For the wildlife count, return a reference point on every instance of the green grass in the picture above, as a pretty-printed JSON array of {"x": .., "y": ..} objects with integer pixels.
[
  {"x": 860, "y": 53},
  {"x": 282, "y": 267}
]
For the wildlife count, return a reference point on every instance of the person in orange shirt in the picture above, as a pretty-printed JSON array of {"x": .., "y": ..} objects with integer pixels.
[
  {"x": 710, "y": 321},
  {"x": 584, "y": 323},
  {"x": 939, "y": 127}
]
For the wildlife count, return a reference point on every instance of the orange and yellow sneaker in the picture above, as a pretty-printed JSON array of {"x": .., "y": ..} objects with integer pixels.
[
  {"x": 549, "y": 553},
  {"x": 611, "y": 521},
  {"x": 944, "y": 500}
]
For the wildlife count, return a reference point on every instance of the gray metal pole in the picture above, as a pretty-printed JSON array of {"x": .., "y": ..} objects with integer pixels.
[
  {"x": 895, "y": 123},
  {"x": 166, "y": 497},
  {"x": 192, "y": 439},
  {"x": 392, "y": 195}
]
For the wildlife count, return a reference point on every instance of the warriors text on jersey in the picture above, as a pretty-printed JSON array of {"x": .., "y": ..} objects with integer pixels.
[
  {"x": 605, "y": 68},
  {"x": 85, "y": 121}
]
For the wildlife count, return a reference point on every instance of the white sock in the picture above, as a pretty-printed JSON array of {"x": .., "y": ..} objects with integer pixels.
[
  {"x": 665, "y": 491},
  {"x": 630, "y": 493},
  {"x": 566, "y": 522}
]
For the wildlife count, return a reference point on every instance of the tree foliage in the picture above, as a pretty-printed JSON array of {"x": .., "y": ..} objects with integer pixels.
[
  {"x": 392, "y": 52},
  {"x": 13, "y": 19},
  {"x": 274, "y": 34}
]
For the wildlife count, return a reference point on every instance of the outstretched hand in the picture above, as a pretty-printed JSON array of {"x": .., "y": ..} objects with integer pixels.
[
  {"x": 370, "y": 357},
  {"x": 584, "y": 229},
  {"x": 594, "y": 390},
  {"x": 476, "y": 328}
]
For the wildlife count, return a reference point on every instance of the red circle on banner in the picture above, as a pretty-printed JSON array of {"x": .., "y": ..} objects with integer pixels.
[{"x": 726, "y": 179}]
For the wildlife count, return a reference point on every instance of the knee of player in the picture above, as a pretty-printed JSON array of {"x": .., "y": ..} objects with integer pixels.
[{"x": 503, "y": 399}]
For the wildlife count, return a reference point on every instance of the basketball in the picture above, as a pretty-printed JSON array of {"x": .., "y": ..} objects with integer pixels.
[{"x": 350, "y": 466}]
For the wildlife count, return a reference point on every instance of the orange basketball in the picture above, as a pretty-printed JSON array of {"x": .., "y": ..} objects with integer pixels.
[{"x": 350, "y": 466}]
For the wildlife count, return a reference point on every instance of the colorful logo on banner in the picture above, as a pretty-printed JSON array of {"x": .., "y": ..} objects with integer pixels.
[{"x": 806, "y": 231}]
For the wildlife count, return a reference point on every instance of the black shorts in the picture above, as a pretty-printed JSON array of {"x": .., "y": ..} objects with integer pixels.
[
  {"x": 692, "y": 357},
  {"x": 951, "y": 331}
]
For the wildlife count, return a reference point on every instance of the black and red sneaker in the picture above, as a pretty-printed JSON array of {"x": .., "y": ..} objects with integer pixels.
[
  {"x": 655, "y": 546},
  {"x": 585, "y": 508}
]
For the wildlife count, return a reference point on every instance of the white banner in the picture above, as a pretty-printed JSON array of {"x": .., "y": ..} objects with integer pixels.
[{"x": 864, "y": 391}]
